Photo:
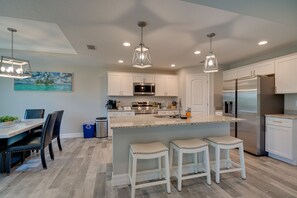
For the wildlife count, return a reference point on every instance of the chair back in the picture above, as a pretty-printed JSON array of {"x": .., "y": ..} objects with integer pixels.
[
  {"x": 57, "y": 126},
  {"x": 34, "y": 113},
  {"x": 47, "y": 130}
]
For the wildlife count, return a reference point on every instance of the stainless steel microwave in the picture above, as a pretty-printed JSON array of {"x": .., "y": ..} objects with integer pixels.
[{"x": 144, "y": 89}]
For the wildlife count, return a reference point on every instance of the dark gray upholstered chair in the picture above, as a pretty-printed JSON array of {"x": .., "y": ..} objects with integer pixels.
[
  {"x": 35, "y": 143},
  {"x": 56, "y": 132},
  {"x": 34, "y": 113}
]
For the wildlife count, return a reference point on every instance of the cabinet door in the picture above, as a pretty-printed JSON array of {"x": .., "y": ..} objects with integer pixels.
[
  {"x": 285, "y": 74},
  {"x": 171, "y": 86},
  {"x": 264, "y": 68},
  {"x": 230, "y": 74},
  {"x": 159, "y": 86},
  {"x": 126, "y": 85},
  {"x": 279, "y": 141},
  {"x": 128, "y": 113},
  {"x": 138, "y": 78},
  {"x": 114, "y": 84},
  {"x": 149, "y": 78},
  {"x": 245, "y": 71}
]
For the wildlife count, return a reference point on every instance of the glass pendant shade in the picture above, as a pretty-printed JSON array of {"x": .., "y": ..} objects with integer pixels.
[
  {"x": 12, "y": 67},
  {"x": 141, "y": 58},
  {"x": 211, "y": 62}
]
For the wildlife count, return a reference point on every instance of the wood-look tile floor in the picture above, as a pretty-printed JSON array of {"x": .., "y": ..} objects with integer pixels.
[{"x": 83, "y": 169}]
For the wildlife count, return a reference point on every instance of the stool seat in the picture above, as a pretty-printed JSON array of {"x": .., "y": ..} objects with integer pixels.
[
  {"x": 224, "y": 140},
  {"x": 148, "y": 148},
  {"x": 189, "y": 144}
]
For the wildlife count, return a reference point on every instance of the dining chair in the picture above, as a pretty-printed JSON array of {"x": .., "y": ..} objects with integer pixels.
[
  {"x": 34, "y": 113},
  {"x": 56, "y": 132},
  {"x": 34, "y": 142}
]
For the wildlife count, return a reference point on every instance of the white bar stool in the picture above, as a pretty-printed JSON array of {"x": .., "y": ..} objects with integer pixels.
[
  {"x": 148, "y": 151},
  {"x": 193, "y": 146},
  {"x": 227, "y": 143}
]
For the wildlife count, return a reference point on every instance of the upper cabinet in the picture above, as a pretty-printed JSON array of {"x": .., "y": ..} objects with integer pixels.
[
  {"x": 120, "y": 84},
  {"x": 144, "y": 78},
  {"x": 285, "y": 74},
  {"x": 166, "y": 85},
  {"x": 230, "y": 74},
  {"x": 261, "y": 68}
]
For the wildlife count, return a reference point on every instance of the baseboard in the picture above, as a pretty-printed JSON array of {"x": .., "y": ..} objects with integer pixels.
[
  {"x": 71, "y": 135},
  {"x": 293, "y": 162}
]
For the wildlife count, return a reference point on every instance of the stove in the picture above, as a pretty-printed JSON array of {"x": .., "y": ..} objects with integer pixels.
[{"x": 146, "y": 107}]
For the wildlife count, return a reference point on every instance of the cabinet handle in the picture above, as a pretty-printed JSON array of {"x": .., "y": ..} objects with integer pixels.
[{"x": 280, "y": 122}]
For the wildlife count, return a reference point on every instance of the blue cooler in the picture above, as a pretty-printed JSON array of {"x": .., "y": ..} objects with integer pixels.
[{"x": 89, "y": 129}]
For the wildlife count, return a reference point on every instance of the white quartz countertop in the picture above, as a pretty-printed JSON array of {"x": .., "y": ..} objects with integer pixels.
[
  {"x": 141, "y": 121},
  {"x": 116, "y": 110},
  {"x": 284, "y": 116}
]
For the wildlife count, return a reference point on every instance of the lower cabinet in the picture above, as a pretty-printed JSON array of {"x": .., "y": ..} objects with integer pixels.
[
  {"x": 281, "y": 139},
  {"x": 117, "y": 114}
]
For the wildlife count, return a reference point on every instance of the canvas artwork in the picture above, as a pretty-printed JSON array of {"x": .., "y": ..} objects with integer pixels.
[{"x": 45, "y": 81}]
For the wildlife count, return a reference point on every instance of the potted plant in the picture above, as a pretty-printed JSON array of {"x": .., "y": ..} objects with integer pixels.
[{"x": 7, "y": 120}]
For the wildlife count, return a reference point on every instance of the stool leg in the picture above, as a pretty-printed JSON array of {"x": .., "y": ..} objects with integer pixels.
[
  {"x": 133, "y": 183},
  {"x": 196, "y": 162},
  {"x": 218, "y": 160},
  {"x": 129, "y": 167},
  {"x": 242, "y": 164},
  {"x": 179, "y": 170},
  {"x": 171, "y": 155},
  {"x": 228, "y": 158},
  {"x": 207, "y": 166},
  {"x": 160, "y": 167},
  {"x": 167, "y": 173}
]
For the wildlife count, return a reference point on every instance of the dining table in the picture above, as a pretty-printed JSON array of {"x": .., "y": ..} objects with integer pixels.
[{"x": 15, "y": 132}]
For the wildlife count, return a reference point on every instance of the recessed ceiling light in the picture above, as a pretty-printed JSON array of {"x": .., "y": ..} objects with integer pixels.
[
  {"x": 126, "y": 44},
  {"x": 197, "y": 52},
  {"x": 172, "y": 65},
  {"x": 120, "y": 61},
  {"x": 262, "y": 42}
]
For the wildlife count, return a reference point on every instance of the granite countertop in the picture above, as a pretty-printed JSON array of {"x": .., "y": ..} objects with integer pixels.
[
  {"x": 284, "y": 116},
  {"x": 152, "y": 121}
]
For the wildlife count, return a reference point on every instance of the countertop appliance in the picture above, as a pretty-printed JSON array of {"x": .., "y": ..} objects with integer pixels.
[
  {"x": 143, "y": 89},
  {"x": 251, "y": 99},
  {"x": 145, "y": 107},
  {"x": 111, "y": 104}
]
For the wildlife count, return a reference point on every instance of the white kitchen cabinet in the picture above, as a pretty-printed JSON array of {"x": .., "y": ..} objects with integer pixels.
[
  {"x": 120, "y": 84},
  {"x": 167, "y": 112},
  {"x": 245, "y": 71},
  {"x": 166, "y": 85},
  {"x": 144, "y": 78},
  {"x": 281, "y": 140},
  {"x": 264, "y": 68},
  {"x": 117, "y": 114},
  {"x": 285, "y": 74},
  {"x": 230, "y": 74}
]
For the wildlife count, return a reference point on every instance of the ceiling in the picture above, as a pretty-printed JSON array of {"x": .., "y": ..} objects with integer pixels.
[{"x": 57, "y": 32}]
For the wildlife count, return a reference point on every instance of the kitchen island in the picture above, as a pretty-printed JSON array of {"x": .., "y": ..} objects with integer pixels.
[{"x": 150, "y": 128}]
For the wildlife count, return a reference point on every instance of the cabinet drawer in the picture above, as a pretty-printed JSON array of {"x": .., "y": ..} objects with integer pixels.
[
  {"x": 130, "y": 113},
  {"x": 114, "y": 114},
  {"x": 279, "y": 122}
]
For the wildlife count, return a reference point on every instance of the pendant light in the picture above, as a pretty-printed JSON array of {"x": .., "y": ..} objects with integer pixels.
[
  {"x": 141, "y": 58},
  {"x": 11, "y": 67},
  {"x": 211, "y": 63}
]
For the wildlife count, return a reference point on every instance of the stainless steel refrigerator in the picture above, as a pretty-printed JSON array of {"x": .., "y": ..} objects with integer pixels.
[{"x": 253, "y": 98}]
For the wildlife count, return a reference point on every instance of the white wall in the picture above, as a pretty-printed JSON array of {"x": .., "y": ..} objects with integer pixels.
[{"x": 84, "y": 103}]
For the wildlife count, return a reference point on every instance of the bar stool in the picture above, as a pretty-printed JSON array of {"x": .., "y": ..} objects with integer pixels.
[
  {"x": 227, "y": 143},
  {"x": 193, "y": 146},
  {"x": 148, "y": 151}
]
